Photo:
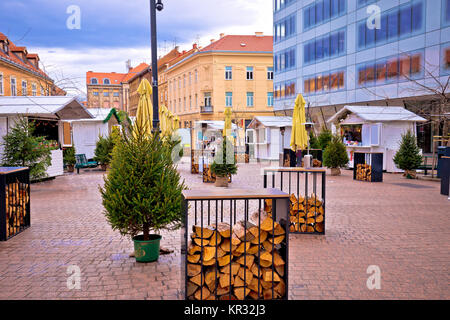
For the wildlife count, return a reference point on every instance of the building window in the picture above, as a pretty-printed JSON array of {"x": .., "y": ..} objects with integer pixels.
[
  {"x": 94, "y": 81},
  {"x": 228, "y": 73},
  {"x": 269, "y": 73},
  {"x": 207, "y": 96},
  {"x": 325, "y": 47},
  {"x": 249, "y": 73},
  {"x": 196, "y": 101},
  {"x": 42, "y": 90},
  {"x": 24, "y": 88},
  {"x": 95, "y": 93},
  {"x": 1, "y": 84},
  {"x": 391, "y": 69},
  {"x": 184, "y": 81},
  {"x": 228, "y": 99},
  {"x": 106, "y": 94},
  {"x": 106, "y": 81},
  {"x": 249, "y": 99},
  {"x": 285, "y": 60},
  {"x": 404, "y": 21},
  {"x": 179, "y": 104},
  {"x": 324, "y": 82},
  {"x": 281, "y": 4},
  {"x": 362, "y": 3},
  {"x": 323, "y": 11},
  {"x": 196, "y": 76},
  {"x": 270, "y": 99},
  {"x": 184, "y": 103},
  {"x": 34, "y": 89},
  {"x": 116, "y": 94},
  {"x": 190, "y": 102},
  {"x": 285, "y": 28},
  {"x": 446, "y": 12},
  {"x": 190, "y": 78}
]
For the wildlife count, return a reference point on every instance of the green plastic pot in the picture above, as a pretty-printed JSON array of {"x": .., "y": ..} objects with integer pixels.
[{"x": 148, "y": 250}]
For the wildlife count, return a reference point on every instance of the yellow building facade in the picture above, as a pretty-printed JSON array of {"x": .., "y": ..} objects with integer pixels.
[{"x": 234, "y": 71}]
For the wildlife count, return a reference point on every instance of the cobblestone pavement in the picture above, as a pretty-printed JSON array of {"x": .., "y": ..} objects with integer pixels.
[{"x": 399, "y": 225}]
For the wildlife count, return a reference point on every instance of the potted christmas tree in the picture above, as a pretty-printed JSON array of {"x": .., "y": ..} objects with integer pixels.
[
  {"x": 224, "y": 163},
  {"x": 408, "y": 157},
  {"x": 142, "y": 191},
  {"x": 335, "y": 155},
  {"x": 103, "y": 151},
  {"x": 69, "y": 158}
]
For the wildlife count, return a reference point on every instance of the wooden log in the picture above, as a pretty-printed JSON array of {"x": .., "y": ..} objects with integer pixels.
[
  {"x": 200, "y": 241},
  {"x": 319, "y": 218},
  {"x": 225, "y": 260},
  {"x": 209, "y": 262},
  {"x": 224, "y": 229},
  {"x": 205, "y": 232},
  {"x": 270, "y": 276},
  {"x": 277, "y": 259},
  {"x": 208, "y": 253},
  {"x": 259, "y": 237},
  {"x": 210, "y": 276},
  {"x": 246, "y": 275},
  {"x": 242, "y": 230},
  {"x": 246, "y": 260},
  {"x": 276, "y": 240},
  {"x": 224, "y": 280},
  {"x": 191, "y": 288},
  {"x": 192, "y": 248},
  {"x": 223, "y": 290},
  {"x": 278, "y": 230},
  {"x": 193, "y": 269},
  {"x": 238, "y": 282},
  {"x": 234, "y": 268},
  {"x": 193, "y": 258},
  {"x": 254, "y": 249},
  {"x": 202, "y": 294},
  {"x": 225, "y": 246},
  {"x": 220, "y": 252},
  {"x": 199, "y": 279},
  {"x": 266, "y": 220},
  {"x": 243, "y": 247},
  {"x": 319, "y": 227},
  {"x": 241, "y": 293},
  {"x": 215, "y": 239}
]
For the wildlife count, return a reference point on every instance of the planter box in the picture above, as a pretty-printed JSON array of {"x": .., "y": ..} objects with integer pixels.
[
  {"x": 368, "y": 166},
  {"x": 56, "y": 168},
  {"x": 307, "y": 216},
  {"x": 231, "y": 232},
  {"x": 14, "y": 201}
]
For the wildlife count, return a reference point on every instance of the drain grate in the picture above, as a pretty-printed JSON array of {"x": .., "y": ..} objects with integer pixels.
[{"x": 411, "y": 185}]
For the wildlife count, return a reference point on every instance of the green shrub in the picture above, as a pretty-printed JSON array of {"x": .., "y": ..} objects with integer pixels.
[
  {"x": 69, "y": 156},
  {"x": 103, "y": 149},
  {"x": 408, "y": 156},
  {"x": 313, "y": 141},
  {"x": 142, "y": 190},
  {"x": 335, "y": 154},
  {"x": 23, "y": 149},
  {"x": 324, "y": 138},
  {"x": 224, "y": 161}
]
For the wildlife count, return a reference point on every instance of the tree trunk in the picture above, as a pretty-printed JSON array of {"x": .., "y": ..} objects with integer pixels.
[{"x": 146, "y": 229}]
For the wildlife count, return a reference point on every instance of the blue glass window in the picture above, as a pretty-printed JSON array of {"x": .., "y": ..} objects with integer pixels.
[
  {"x": 270, "y": 99},
  {"x": 341, "y": 47},
  {"x": 334, "y": 44},
  {"x": 285, "y": 28},
  {"x": 381, "y": 34},
  {"x": 322, "y": 11},
  {"x": 324, "y": 47},
  {"x": 417, "y": 13},
  {"x": 326, "y": 10},
  {"x": 319, "y": 50},
  {"x": 447, "y": 10},
  {"x": 362, "y": 34},
  {"x": 393, "y": 25},
  {"x": 405, "y": 20},
  {"x": 319, "y": 11},
  {"x": 370, "y": 36}
]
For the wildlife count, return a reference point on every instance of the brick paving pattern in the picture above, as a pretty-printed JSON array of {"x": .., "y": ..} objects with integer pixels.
[{"x": 399, "y": 225}]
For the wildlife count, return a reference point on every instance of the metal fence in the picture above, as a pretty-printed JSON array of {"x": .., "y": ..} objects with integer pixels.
[
  {"x": 235, "y": 249},
  {"x": 14, "y": 201},
  {"x": 307, "y": 196}
]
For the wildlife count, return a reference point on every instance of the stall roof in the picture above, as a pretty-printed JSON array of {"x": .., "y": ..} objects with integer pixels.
[
  {"x": 370, "y": 113},
  {"x": 214, "y": 124},
  {"x": 271, "y": 121},
  {"x": 101, "y": 115},
  {"x": 50, "y": 107}
]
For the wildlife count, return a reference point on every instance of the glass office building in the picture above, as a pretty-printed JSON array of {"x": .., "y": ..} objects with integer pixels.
[{"x": 360, "y": 52}]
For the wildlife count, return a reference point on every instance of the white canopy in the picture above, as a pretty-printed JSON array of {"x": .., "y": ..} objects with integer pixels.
[
  {"x": 377, "y": 114},
  {"x": 49, "y": 107},
  {"x": 270, "y": 121},
  {"x": 214, "y": 124}
]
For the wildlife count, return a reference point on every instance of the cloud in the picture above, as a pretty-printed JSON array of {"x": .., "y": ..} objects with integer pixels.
[{"x": 113, "y": 31}]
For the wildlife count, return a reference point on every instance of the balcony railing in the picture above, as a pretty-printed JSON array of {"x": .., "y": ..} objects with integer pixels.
[{"x": 206, "y": 109}]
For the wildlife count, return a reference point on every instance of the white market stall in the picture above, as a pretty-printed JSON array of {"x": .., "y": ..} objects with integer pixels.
[
  {"x": 50, "y": 114},
  {"x": 264, "y": 135},
  {"x": 86, "y": 132},
  {"x": 368, "y": 129}
]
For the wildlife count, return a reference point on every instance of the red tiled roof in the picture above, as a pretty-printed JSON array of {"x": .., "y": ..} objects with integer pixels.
[
  {"x": 15, "y": 59},
  {"x": 135, "y": 71},
  {"x": 114, "y": 78},
  {"x": 242, "y": 43}
]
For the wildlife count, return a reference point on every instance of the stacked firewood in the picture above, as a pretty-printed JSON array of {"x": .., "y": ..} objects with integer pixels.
[
  {"x": 17, "y": 199},
  {"x": 194, "y": 166},
  {"x": 237, "y": 263},
  {"x": 306, "y": 215},
  {"x": 316, "y": 163},
  {"x": 209, "y": 176},
  {"x": 363, "y": 172}
]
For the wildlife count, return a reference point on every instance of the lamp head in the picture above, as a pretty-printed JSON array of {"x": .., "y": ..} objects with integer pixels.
[{"x": 159, "y": 5}]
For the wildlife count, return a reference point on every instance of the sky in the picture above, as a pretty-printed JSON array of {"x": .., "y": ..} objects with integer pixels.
[{"x": 113, "y": 31}]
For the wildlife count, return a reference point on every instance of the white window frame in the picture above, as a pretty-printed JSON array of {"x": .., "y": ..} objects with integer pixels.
[
  {"x": 249, "y": 73},
  {"x": 252, "y": 99},
  {"x": 377, "y": 128},
  {"x": 271, "y": 99},
  {"x": 207, "y": 99},
  {"x": 228, "y": 99},
  {"x": 13, "y": 92},
  {"x": 228, "y": 73},
  {"x": 24, "y": 87},
  {"x": 269, "y": 73},
  {"x": 2, "y": 91}
]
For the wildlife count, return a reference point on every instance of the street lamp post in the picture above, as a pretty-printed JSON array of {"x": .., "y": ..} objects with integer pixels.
[{"x": 155, "y": 5}]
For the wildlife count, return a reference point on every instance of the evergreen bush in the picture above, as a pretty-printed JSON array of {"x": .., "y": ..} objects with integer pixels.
[
  {"x": 408, "y": 157},
  {"x": 224, "y": 161},
  {"x": 23, "y": 149},
  {"x": 325, "y": 137},
  {"x": 335, "y": 154},
  {"x": 103, "y": 149},
  {"x": 69, "y": 156}
]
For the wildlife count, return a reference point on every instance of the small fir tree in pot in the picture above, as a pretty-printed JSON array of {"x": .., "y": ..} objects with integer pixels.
[
  {"x": 224, "y": 163},
  {"x": 103, "y": 151},
  {"x": 324, "y": 138},
  {"x": 143, "y": 191},
  {"x": 408, "y": 157},
  {"x": 335, "y": 155},
  {"x": 69, "y": 158}
]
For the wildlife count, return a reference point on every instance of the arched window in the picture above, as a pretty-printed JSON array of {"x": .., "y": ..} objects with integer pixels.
[
  {"x": 106, "y": 81},
  {"x": 94, "y": 81}
]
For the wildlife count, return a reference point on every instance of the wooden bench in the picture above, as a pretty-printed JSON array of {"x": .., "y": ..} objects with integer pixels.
[{"x": 81, "y": 162}]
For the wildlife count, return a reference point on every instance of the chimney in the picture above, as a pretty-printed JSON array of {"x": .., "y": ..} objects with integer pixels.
[
  {"x": 194, "y": 46},
  {"x": 212, "y": 40},
  {"x": 222, "y": 35},
  {"x": 259, "y": 34},
  {"x": 128, "y": 65}
]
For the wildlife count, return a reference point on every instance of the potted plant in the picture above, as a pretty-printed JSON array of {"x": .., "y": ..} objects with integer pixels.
[
  {"x": 408, "y": 157},
  {"x": 143, "y": 191},
  {"x": 224, "y": 163},
  {"x": 69, "y": 158},
  {"x": 324, "y": 138},
  {"x": 335, "y": 155},
  {"x": 103, "y": 151}
]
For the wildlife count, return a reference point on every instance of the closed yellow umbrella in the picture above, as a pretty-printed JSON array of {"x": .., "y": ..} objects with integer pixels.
[
  {"x": 299, "y": 137},
  {"x": 227, "y": 124},
  {"x": 144, "y": 116},
  {"x": 170, "y": 121},
  {"x": 176, "y": 123},
  {"x": 162, "y": 119}
]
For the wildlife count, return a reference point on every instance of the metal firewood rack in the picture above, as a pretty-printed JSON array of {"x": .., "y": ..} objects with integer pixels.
[
  {"x": 14, "y": 201},
  {"x": 229, "y": 207},
  {"x": 374, "y": 160},
  {"x": 309, "y": 180}
]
